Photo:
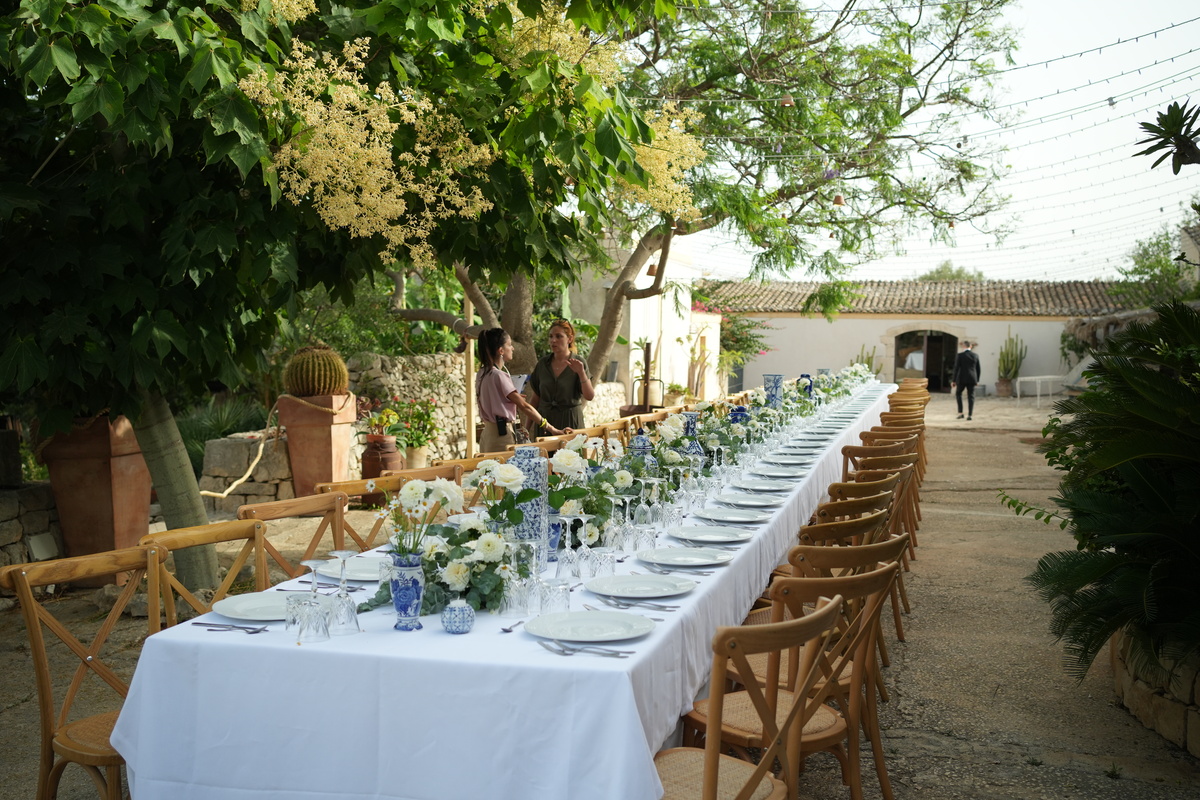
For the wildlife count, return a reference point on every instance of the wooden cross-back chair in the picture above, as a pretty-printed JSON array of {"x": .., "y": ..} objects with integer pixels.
[
  {"x": 84, "y": 740},
  {"x": 853, "y": 507},
  {"x": 853, "y": 453},
  {"x": 469, "y": 464},
  {"x": 390, "y": 481},
  {"x": 852, "y": 648},
  {"x": 707, "y": 772},
  {"x": 911, "y": 437},
  {"x": 816, "y": 561},
  {"x": 331, "y": 506},
  {"x": 904, "y": 512},
  {"x": 251, "y": 532}
]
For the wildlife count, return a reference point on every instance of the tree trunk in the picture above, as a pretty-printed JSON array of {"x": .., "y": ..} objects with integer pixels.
[
  {"x": 517, "y": 319},
  {"x": 178, "y": 492}
]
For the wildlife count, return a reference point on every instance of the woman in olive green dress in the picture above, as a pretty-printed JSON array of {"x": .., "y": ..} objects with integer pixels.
[{"x": 559, "y": 383}]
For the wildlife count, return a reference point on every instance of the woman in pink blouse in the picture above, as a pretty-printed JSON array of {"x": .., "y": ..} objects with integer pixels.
[{"x": 496, "y": 396}]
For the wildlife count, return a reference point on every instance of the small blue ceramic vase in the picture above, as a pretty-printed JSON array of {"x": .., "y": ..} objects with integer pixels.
[{"x": 458, "y": 617}]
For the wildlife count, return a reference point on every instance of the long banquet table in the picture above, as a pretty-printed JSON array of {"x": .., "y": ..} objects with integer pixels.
[{"x": 425, "y": 714}]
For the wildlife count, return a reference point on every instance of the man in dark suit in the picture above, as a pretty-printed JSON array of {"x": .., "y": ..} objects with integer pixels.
[{"x": 966, "y": 376}]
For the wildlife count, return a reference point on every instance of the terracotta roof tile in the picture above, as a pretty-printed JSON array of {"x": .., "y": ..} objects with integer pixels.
[{"x": 986, "y": 298}]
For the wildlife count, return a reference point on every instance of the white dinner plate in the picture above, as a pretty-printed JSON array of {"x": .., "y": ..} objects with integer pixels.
[
  {"x": 685, "y": 557},
  {"x": 786, "y": 473},
  {"x": 640, "y": 586},
  {"x": 755, "y": 485},
  {"x": 738, "y": 500},
  {"x": 257, "y": 606},
  {"x": 590, "y": 626},
  {"x": 736, "y": 516},
  {"x": 789, "y": 461},
  {"x": 357, "y": 569},
  {"x": 797, "y": 448},
  {"x": 712, "y": 534}
]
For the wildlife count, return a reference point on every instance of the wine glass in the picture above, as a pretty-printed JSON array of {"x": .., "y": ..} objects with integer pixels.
[
  {"x": 568, "y": 559},
  {"x": 343, "y": 617},
  {"x": 312, "y": 623},
  {"x": 616, "y": 531}
]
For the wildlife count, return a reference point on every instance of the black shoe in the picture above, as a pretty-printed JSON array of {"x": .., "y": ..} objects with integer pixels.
[
  {"x": 968, "y": 419},
  {"x": 960, "y": 416}
]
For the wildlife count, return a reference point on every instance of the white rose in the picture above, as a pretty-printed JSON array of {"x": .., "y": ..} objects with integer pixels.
[
  {"x": 737, "y": 429},
  {"x": 591, "y": 534},
  {"x": 568, "y": 462},
  {"x": 606, "y": 487},
  {"x": 624, "y": 478},
  {"x": 509, "y": 477},
  {"x": 576, "y": 444},
  {"x": 448, "y": 493},
  {"x": 703, "y": 405},
  {"x": 432, "y": 545},
  {"x": 667, "y": 434},
  {"x": 671, "y": 457},
  {"x": 474, "y": 524},
  {"x": 456, "y": 575},
  {"x": 411, "y": 494},
  {"x": 489, "y": 547},
  {"x": 712, "y": 442},
  {"x": 570, "y": 507}
]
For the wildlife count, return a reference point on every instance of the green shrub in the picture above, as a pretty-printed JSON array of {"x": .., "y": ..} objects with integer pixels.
[{"x": 215, "y": 419}]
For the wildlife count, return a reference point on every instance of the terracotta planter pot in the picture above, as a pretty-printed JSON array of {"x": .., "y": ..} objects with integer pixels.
[
  {"x": 101, "y": 486},
  {"x": 319, "y": 431},
  {"x": 381, "y": 454},
  {"x": 416, "y": 457},
  {"x": 1004, "y": 387}
]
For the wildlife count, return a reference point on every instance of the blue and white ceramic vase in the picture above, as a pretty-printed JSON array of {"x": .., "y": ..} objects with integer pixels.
[
  {"x": 691, "y": 444},
  {"x": 641, "y": 447},
  {"x": 808, "y": 383},
  {"x": 407, "y": 579},
  {"x": 773, "y": 385},
  {"x": 554, "y": 529},
  {"x": 739, "y": 415},
  {"x": 458, "y": 617},
  {"x": 533, "y": 466}
]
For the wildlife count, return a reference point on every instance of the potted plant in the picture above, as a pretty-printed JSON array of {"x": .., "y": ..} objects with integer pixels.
[
  {"x": 416, "y": 427},
  {"x": 676, "y": 394},
  {"x": 1008, "y": 366},
  {"x": 318, "y": 412},
  {"x": 381, "y": 424}
]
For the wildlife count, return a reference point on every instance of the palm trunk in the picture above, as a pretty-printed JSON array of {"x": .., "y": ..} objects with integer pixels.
[{"x": 178, "y": 492}]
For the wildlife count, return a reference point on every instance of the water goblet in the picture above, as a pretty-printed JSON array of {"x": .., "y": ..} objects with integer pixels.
[
  {"x": 312, "y": 621},
  {"x": 343, "y": 617}
]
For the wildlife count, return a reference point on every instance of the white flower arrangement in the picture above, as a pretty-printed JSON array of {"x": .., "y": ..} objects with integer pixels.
[
  {"x": 489, "y": 547},
  {"x": 623, "y": 478},
  {"x": 413, "y": 509},
  {"x": 456, "y": 575},
  {"x": 568, "y": 462},
  {"x": 575, "y": 444}
]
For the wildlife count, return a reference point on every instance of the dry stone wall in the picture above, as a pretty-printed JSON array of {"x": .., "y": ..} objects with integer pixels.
[
  {"x": 29, "y": 528},
  {"x": 1168, "y": 703},
  {"x": 439, "y": 377}
]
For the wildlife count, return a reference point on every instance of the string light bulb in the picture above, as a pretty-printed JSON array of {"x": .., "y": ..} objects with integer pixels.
[
  {"x": 787, "y": 101},
  {"x": 838, "y": 200}
]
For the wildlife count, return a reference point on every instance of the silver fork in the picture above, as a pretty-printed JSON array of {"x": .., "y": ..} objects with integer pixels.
[
  {"x": 593, "y": 608},
  {"x": 661, "y": 571},
  {"x": 221, "y": 626},
  {"x": 628, "y": 604},
  {"x": 595, "y": 650}
]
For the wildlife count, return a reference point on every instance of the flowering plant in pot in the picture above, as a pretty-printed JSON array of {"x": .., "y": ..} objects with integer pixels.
[{"x": 415, "y": 424}]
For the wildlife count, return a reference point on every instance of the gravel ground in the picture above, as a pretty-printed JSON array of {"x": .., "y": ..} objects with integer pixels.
[{"x": 981, "y": 707}]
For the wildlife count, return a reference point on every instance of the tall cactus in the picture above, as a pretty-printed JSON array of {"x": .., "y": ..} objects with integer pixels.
[
  {"x": 316, "y": 370},
  {"x": 1011, "y": 355}
]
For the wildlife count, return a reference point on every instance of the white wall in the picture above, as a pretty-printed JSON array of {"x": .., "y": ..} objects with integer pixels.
[{"x": 806, "y": 344}]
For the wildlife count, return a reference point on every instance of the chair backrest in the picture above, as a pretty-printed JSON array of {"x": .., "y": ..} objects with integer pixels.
[
  {"x": 819, "y": 561},
  {"x": 863, "y": 596},
  {"x": 732, "y": 648},
  {"x": 853, "y": 507},
  {"x": 874, "y": 438},
  {"x": 331, "y": 506},
  {"x": 892, "y": 462},
  {"x": 861, "y": 530},
  {"x": 469, "y": 464},
  {"x": 90, "y": 659},
  {"x": 853, "y": 453},
  {"x": 549, "y": 446},
  {"x": 251, "y": 532},
  {"x": 848, "y": 490}
]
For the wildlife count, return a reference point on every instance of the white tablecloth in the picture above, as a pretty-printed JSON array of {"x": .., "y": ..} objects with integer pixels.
[{"x": 386, "y": 714}]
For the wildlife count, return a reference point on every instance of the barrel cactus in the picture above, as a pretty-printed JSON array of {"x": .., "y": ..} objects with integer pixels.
[{"x": 316, "y": 370}]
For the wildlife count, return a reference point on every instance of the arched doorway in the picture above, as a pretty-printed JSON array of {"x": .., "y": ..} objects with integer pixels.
[{"x": 920, "y": 352}]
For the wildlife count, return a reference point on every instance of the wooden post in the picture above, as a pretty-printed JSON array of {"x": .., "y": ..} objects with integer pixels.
[{"x": 469, "y": 368}]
